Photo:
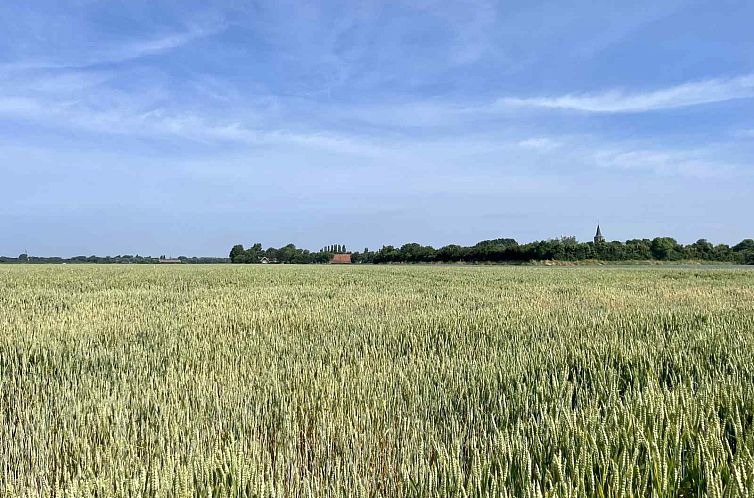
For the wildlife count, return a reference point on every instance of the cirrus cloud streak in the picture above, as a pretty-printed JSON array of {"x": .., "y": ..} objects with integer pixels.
[{"x": 617, "y": 101}]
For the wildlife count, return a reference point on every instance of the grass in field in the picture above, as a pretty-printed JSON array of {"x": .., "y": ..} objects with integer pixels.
[{"x": 375, "y": 381}]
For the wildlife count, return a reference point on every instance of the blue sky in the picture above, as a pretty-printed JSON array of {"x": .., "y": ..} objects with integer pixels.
[{"x": 183, "y": 127}]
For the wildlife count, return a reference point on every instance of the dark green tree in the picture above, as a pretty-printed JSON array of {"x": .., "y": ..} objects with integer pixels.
[
  {"x": 744, "y": 245},
  {"x": 701, "y": 249},
  {"x": 665, "y": 249},
  {"x": 237, "y": 253}
]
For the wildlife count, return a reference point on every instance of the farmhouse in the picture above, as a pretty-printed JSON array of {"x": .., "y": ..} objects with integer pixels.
[
  {"x": 341, "y": 259},
  {"x": 170, "y": 261}
]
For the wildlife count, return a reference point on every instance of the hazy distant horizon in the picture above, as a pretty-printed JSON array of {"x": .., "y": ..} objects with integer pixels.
[
  {"x": 350, "y": 248},
  {"x": 155, "y": 128}
]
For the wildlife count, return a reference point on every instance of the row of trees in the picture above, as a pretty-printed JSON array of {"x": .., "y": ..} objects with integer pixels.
[
  {"x": 120, "y": 259},
  {"x": 334, "y": 249},
  {"x": 568, "y": 249},
  {"x": 508, "y": 250},
  {"x": 497, "y": 250},
  {"x": 286, "y": 254}
]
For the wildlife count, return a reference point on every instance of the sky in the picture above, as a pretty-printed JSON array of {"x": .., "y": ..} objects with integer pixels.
[{"x": 185, "y": 127}]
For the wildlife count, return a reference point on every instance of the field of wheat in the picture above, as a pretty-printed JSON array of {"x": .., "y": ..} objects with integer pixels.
[{"x": 234, "y": 381}]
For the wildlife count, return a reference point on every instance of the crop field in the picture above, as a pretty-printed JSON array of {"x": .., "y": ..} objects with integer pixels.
[{"x": 234, "y": 381}]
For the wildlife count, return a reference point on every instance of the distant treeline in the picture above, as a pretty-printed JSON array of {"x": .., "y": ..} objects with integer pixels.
[
  {"x": 124, "y": 259},
  {"x": 286, "y": 254},
  {"x": 510, "y": 251},
  {"x": 486, "y": 251}
]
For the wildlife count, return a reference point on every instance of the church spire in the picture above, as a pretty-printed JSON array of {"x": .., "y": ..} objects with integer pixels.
[{"x": 598, "y": 237}]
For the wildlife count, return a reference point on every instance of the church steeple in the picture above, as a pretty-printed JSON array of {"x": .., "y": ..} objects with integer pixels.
[{"x": 598, "y": 236}]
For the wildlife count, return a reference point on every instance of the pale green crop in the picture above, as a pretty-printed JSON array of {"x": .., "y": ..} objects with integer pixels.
[{"x": 235, "y": 381}]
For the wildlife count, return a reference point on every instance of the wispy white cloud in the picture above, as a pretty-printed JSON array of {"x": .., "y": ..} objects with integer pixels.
[
  {"x": 663, "y": 162},
  {"x": 114, "y": 54},
  {"x": 617, "y": 101},
  {"x": 152, "y": 46},
  {"x": 89, "y": 101},
  {"x": 540, "y": 143},
  {"x": 182, "y": 125},
  {"x": 443, "y": 114},
  {"x": 59, "y": 83},
  {"x": 556, "y": 153},
  {"x": 451, "y": 133}
]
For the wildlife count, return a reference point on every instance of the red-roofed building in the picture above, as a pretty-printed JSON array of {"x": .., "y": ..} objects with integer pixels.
[{"x": 341, "y": 259}]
